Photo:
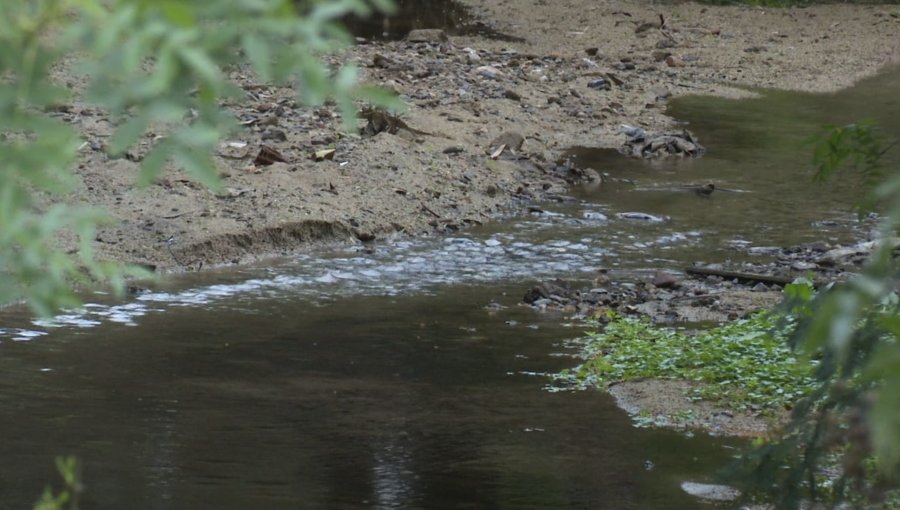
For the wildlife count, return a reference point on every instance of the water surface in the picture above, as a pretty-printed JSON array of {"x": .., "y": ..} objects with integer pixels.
[
  {"x": 759, "y": 152},
  {"x": 405, "y": 402}
]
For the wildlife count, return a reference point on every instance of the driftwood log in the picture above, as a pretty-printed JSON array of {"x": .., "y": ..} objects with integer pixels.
[{"x": 745, "y": 277}]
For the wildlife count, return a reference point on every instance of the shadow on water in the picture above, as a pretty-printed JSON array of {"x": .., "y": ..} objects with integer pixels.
[{"x": 448, "y": 15}]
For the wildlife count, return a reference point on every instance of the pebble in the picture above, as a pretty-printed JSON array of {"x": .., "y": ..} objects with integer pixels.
[
  {"x": 489, "y": 72},
  {"x": 675, "y": 61},
  {"x": 641, "y": 217},
  {"x": 599, "y": 84}
]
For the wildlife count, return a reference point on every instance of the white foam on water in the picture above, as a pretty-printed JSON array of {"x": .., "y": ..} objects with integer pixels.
[{"x": 407, "y": 266}]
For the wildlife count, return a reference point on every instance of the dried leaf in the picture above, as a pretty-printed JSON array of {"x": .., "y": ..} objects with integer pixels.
[
  {"x": 324, "y": 154},
  {"x": 267, "y": 156}
]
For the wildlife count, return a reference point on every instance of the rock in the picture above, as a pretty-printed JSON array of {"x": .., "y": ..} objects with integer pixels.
[
  {"x": 675, "y": 61},
  {"x": 366, "y": 237},
  {"x": 842, "y": 255},
  {"x": 803, "y": 266},
  {"x": 665, "y": 43},
  {"x": 591, "y": 175},
  {"x": 489, "y": 72},
  {"x": 641, "y": 217},
  {"x": 817, "y": 246},
  {"x": 600, "y": 281},
  {"x": 472, "y": 55},
  {"x": 545, "y": 291},
  {"x": 381, "y": 61},
  {"x": 427, "y": 35},
  {"x": 592, "y": 51},
  {"x": 275, "y": 135},
  {"x": 510, "y": 140},
  {"x": 512, "y": 94},
  {"x": 659, "y": 56},
  {"x": 703, "y": 190},
  {"x": 764, "y": 250},
  {"x": 633, "y": 132},
  {"x": 594, "y": 216},
  {"x": 664, "y": 280},
  {"x": 268, "y": 120},
  {"x": 599, "y": 84},
  {"x": 661, "y": 145}
]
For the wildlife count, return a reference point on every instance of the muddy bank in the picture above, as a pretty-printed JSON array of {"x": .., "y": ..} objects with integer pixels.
[
  {"x": 662, "y": 403},
  {"x": 572, "y": 74}
]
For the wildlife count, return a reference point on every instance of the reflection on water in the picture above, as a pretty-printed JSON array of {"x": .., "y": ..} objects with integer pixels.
[
  {"x": 368, "y": 402},
  {"x": 350, "y": 380},
  {"x": 759, "y": 153}
]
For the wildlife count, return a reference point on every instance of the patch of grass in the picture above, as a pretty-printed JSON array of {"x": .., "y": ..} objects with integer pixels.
[{"x": 743, "y": 365}]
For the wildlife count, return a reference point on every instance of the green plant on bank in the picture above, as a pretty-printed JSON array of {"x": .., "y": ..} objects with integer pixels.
[
  {"x": 160, "y": 69},
  {"x": 842, "y": 444},
  {"x": 67, "y": 499},
  {"x": 744, "y": 365}
]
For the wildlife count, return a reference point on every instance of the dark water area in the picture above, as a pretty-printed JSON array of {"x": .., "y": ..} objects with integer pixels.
[
  {"x": 369, "y": 402},
  {"x": 450, "y": 16},
  {"x": 411, "y": 377}
]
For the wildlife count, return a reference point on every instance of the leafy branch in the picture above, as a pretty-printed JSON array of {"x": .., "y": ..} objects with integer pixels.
[{"x": 161, "y": 70}]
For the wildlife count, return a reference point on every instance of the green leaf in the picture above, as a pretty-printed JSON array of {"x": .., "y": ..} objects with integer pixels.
[
  {"x": 381, "y": 97},
  {"x": 128, "y": 133},
  {"x": 201, "y": 64},
  {"x": 153, "y": 163},
  {"x": 199, "y": 165},
  {"x": 179, "y": 13},
  {"x": 385, "y": 6},
  {"x": 259, "y": 55}
]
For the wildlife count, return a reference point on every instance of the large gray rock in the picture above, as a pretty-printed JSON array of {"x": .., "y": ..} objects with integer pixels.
[{"x": 643, "y": 145}]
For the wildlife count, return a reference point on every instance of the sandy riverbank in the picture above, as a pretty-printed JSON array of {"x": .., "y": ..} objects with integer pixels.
[{"x": 463, "y": 93}]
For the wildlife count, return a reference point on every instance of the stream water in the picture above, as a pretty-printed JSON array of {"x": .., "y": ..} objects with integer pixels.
[{"x": 409, "y": 378}]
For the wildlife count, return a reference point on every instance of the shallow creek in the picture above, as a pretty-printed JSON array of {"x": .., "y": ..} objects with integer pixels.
[{"x": 410, "y": 378}]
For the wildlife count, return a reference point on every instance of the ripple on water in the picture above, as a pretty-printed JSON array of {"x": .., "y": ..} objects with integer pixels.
[{"x": 403, "y": 267}]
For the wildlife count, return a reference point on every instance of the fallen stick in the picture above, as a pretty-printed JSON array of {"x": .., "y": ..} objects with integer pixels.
[
  {"x": 741, "y": 277},
  {"x": 426, "y": 209}
]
